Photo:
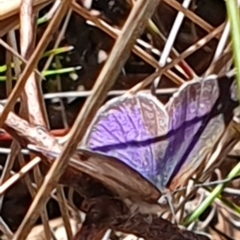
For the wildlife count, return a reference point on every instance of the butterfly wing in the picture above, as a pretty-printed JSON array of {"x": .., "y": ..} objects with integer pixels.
[
  {"x": 127, "y": 128},
  {"x": 185, "y": 109},
  {"x": 196, "y": 124},
  {"x": 214, "y": 126}
]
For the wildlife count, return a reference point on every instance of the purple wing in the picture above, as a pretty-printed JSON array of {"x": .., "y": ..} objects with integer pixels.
[
  {"x": 186, "y": 109},
  {"x": 214, "y": 126},
  {"x": 196, "y": 123},
  {"x": 127, "y": 128}
]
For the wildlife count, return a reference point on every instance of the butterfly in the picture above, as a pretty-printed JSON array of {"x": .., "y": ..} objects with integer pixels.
[
  {"x": 137, "y": 147},
  {"x": 165, "y": 144}
]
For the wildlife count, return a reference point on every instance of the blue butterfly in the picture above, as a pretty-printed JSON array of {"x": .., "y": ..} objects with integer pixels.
[{"x": 164, "y": 144}]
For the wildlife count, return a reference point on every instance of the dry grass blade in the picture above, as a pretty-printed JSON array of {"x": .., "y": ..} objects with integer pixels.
[{"x": 32, "y": 105}]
